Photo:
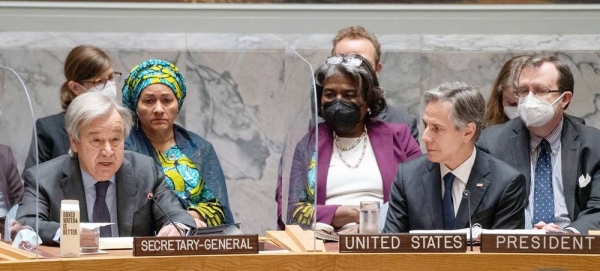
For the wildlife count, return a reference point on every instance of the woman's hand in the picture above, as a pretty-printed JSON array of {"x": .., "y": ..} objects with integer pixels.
[{"x": 345, "y": 214}]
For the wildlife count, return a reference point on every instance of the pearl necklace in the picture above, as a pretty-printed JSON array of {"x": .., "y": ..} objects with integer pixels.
[{"x": 364, "y": 136}]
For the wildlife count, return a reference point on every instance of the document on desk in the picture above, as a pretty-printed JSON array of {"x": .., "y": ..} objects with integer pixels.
[{"x": 116, "y": 243}]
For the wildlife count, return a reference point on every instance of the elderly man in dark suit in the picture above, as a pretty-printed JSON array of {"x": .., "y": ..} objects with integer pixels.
[
  {"x": 559, "y": 156},
  {"x": 428, "y": 192},
  {"x": 111, "y": 184}
]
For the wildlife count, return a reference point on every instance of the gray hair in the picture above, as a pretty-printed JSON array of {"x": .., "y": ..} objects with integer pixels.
[
  {"x": 466, "y": 104},
  {"x": 89, "y": 106}
]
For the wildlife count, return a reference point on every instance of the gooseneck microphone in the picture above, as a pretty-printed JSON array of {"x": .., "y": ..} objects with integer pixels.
[
  {"x": 467, "y": 195},
  {"x": 150, "y": 196}
]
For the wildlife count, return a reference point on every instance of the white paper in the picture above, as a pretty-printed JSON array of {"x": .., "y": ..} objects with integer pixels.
[
  {"x": 476, "y": 232},
  {"x": 116, "y": 243}
]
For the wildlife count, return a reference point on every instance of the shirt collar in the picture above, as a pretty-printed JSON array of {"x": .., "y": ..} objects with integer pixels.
[
  {"x": 553, "y": 138},
  {"x": 89, "y": 181},
  {"x": 463, "y": 171}
]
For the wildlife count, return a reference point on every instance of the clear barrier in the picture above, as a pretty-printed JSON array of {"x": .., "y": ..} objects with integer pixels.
[
  {"x": 299, "y": 156},
  {"x": 17, "y": 125}
]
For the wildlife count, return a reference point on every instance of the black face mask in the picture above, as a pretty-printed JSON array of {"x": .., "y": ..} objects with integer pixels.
[{"x": 341, "y": 115}]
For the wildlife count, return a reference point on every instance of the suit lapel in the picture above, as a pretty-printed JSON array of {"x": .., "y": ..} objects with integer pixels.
[
  {"x": 126, "y": 198},
  {"x": 381, "y": 142},
  {"x": 521, "y": 158},
  {"x": 432, "y": 189},
  {"x": 570, "y": 147},
  {"x": 477, "y": 186},
  {"x": 72, "y": 186}
]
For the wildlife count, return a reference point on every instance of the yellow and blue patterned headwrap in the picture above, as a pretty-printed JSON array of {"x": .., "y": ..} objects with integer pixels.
[{"x": 152, "y": 71}]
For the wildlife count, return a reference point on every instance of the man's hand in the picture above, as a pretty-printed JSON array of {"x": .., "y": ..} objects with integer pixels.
[
  {"x": 14, "y": 229},
  {"x": 547, "y": 227},
  {"x": 169, "y": 230}
]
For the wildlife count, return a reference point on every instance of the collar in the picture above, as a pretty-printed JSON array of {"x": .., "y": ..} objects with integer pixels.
[
  {"x": 553, "y": 138},
  {"x": 463, "y": 171},
  {"x": 89, "y": 181}
]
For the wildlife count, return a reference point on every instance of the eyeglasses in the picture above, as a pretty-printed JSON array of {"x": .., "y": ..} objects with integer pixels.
[
  {"x": 352, "y": 60},
  {"x": 100, "y": 83},
  {"x": 522, "y": 92}
]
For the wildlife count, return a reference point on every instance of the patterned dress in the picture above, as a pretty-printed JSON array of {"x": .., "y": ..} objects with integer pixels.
[
  {"x": 304, "y": 211},
  {"x": 184, "y": 178}
]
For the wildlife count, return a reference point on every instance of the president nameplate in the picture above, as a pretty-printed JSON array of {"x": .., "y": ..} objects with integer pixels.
[
  {"x": 543, "y": 243},
  {"x": 195, "y": 245},
  {"x": 402, "y": 243}
]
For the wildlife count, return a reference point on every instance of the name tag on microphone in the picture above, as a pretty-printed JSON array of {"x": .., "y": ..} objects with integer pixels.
[
  {"x": 540, "y": 243},
  {"x": 195, "y": 245},
  {"x": 402, "y": 243}
]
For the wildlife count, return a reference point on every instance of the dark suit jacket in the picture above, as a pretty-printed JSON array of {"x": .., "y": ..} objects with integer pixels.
[
  {"x": 53, "y": 140},
  {"x": 416, "y": 197},
  {"x": 580, "y": 152},
  {"x": 11, "y": 185},
  {"x": 60, "y": 178},
  {"x": 400, "y": 115}
]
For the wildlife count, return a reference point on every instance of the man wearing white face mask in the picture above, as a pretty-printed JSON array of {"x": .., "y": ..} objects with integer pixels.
[{"x": 558, "y": 155}]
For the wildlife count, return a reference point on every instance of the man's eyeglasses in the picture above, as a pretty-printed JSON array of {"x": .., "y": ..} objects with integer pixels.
[
  {"x": 352, "y": 60},
  {"x": 522, "y": 92},
  {"x": 100, "y": 83}
]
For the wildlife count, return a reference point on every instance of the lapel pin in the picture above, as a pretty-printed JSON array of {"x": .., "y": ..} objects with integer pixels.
[{"x": 479, "y": 185}]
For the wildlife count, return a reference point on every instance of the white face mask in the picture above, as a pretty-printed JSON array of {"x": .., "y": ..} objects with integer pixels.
[
  {"x": 110, "y": 90},
  {"x": 536, "y": 112},
  {"x": 511, "y": 112}
]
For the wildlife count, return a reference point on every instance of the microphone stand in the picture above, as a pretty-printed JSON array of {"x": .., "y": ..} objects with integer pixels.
[
  {"x": 467, "y": 195},
  {"x": 150, "y": 196}
]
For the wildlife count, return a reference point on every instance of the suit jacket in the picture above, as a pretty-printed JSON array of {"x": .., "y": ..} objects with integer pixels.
[
  {"x": 580, "y": 154},
  {"x": 400, "y": 115},
  {"x": 416, "y": 197},
  {"x": 60, "y": 178},
  {"x": 52, "y": 137},
  {"x": 11, "y": 185}
]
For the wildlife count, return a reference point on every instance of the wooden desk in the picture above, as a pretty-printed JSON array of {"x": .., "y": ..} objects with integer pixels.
[{"x": 123, "y": 260}]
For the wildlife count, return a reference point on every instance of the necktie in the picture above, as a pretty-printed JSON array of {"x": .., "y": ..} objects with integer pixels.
[
  {"x": 447, "y": 203},
  {"x": 101, "y": 213},
  {"x": 543, "y": 198}
]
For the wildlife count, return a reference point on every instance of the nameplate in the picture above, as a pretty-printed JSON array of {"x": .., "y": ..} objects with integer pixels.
[
  {"x": 545, "y": 243},
  {"x": 195, "y": 245},
  {"x": 402, "y": 243}
]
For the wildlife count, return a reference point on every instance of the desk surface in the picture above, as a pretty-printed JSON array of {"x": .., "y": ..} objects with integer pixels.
[{"x": 123, "y": 260}]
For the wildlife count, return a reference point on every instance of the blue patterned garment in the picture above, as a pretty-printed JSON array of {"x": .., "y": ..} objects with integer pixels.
[
  {"x": 305, "y": 210},
  {"x": 183, "y": 177},
  {"x": 153, "y": 71}
]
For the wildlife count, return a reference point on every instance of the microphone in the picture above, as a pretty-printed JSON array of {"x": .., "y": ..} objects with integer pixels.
[
  {"x": 150, "y": 196},
  {"x": 467, "y": 195}
]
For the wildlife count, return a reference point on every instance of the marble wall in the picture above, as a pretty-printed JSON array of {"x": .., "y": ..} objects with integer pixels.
[{"x": 245, "y": 91}]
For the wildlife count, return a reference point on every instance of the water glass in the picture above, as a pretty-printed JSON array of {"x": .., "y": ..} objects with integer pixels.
[{"x": 369, "y": 217}]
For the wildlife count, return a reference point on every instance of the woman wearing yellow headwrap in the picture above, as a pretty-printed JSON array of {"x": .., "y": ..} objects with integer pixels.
[{"x": 154, "y": 91}]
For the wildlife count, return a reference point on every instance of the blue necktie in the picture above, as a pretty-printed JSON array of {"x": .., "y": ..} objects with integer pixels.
[
  {"x": 101, "y": 213},
  {"x": 447, "y": 202},
  {"x": 543, "y": 198}
]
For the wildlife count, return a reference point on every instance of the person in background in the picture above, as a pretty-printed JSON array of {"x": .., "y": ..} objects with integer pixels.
[
  {"x": 358, "y": 155},
  {"x": 154, "y": 91},
  {"x": 87, "y": 68},
  {"x": 427, "y": 193},
  {"x": 111, "y": 184},
  {"x": 11, "y": 186},
  {"x": 502, "y": 105},
  {"x": 360, "y": 41},
  {"x": 558, "y": 155}
]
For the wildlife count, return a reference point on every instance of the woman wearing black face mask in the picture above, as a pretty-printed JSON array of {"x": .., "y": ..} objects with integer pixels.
[{"x": 357, "y": 158}]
